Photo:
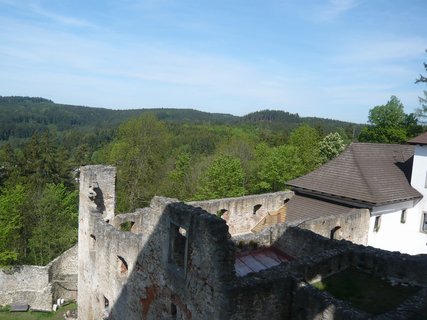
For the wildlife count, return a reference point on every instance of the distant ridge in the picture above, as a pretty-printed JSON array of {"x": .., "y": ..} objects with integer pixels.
[{"x": 20, "y": 117}]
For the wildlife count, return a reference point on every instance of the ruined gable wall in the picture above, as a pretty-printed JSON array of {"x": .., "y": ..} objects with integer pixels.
[
  {"x": 152, "y": 283},
  {"x": 242, "y": 215}
]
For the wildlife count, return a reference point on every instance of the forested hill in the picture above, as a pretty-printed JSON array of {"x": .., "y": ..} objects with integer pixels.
[{"x": 20, "y": 117}]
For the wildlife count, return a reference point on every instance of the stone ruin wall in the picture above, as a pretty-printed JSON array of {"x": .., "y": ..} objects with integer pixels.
[
  {"x": 352, "y": 226},
  {"x": 244, "y": 213},
  {"x": 135, "y": 273},
  {"x": 41, "y": 286},
  {"x": 283, "y": 291},
  {"x": 130, "y": 275}
]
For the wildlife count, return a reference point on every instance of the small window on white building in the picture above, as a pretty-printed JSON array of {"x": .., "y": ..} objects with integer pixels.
[
  {"x": 424, "y": 222},
  {"x": 377, "y": 223},
  {"x": 403, "y": 216}
]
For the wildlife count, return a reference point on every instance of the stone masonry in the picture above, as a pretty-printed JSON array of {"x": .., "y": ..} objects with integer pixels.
[{"x": 178, "y": 262}]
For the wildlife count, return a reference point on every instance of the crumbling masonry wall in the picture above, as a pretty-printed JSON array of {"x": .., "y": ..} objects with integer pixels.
[
  {"x": 284, "y": 292},
  {"x": 41, "y": 286},
  {"x": 244, "y": 213},
  {"x": 177, "y": 263}
]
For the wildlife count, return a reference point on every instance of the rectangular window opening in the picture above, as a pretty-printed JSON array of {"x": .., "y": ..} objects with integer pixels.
[{"x": 178, "y": 246}]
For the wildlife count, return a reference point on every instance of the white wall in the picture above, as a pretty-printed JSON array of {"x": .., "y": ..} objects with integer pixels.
[
  {"x": 419, "y": 170},
  {"x": 396, "y": 236},
  {"x": 404, "y": 237}
]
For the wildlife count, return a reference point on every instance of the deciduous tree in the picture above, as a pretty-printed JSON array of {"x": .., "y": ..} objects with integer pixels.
[{"x": 223, "y": 178}]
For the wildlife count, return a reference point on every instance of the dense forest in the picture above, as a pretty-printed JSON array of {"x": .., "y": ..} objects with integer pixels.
[{"x": 180, "y": 153}]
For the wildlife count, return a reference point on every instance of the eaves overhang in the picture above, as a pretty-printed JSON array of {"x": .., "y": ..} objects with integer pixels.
[{"x": 358, "y": 203}]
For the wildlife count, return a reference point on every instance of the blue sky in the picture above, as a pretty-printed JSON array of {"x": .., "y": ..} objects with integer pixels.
[{"x": 335, "y": 59}]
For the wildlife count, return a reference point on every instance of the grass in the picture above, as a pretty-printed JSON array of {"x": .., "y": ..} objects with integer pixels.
[
  {"x": 32, "y": 315},
  {"x": 365, "y": 292}
]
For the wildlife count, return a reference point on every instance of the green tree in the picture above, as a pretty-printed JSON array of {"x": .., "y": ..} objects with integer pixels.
[
  {"x": 179, "y": 178},
  {"x": 139, "y": 152},
  {"x": 12, "y": 200},
  {"x": 422, "y": 112},
  {"x": 223, "y": 178},
  {"x": 55, "y": 224},
  {"x": 307, "y": 140},
  {"x": 276, "y": 166},
  {"x": 331, "y": 146},
  {"x": 389, "y": 124}
]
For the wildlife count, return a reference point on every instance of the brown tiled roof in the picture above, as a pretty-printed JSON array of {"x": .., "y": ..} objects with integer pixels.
[
  {"x": 421, "y": 139},
  {"x": 367, "y": 174},
  {"x": 301, "y": 208}
]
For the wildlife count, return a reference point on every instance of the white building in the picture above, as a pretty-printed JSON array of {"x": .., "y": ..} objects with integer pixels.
[{"x": 388, "y": 179}]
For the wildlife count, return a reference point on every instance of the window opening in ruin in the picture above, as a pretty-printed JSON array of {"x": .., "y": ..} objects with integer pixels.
[
  {"x": 127, "y": 226},
  {"x": 335, "y": 232},
  {"x": 257, "y": 207},
  {"x": 123, "y": 265},
  {"x": 286, "y": 201},
  {"x": 173, "y": 311},
  {"x": 106, "y": 302},
  {"x": 178, "y": 246},
  {"x": 377, "y": 223},
  {"x": 403, "y": 216},
  {"x": 92, "y": 241},
  {"x": 221, "y": 212},
  {"x": 424, "y": 226}
]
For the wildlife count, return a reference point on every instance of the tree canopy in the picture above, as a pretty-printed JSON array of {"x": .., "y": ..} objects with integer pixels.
[
  {"x": 422, "y": 112},
  {"x": 390, "y": 124}
]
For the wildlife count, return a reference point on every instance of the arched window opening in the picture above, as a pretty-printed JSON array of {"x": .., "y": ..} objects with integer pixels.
[
  {"x": 123, "y": 265},
  {"x": 221, "y": 212},
  {"x": 336, "y": 232},
  {"x": 256, "y": 208}
]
